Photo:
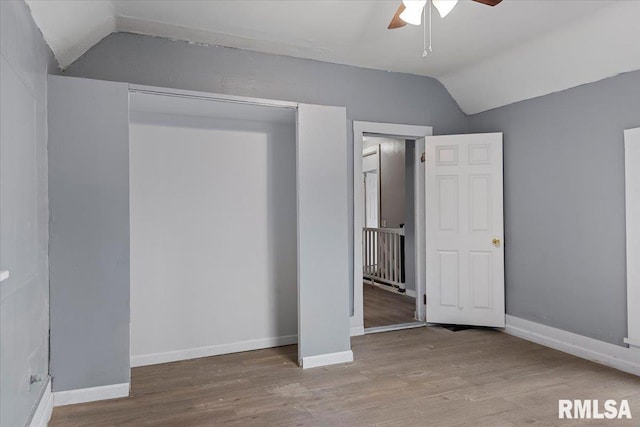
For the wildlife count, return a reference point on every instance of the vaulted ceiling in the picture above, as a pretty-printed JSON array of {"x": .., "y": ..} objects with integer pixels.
[{"x": 486, "y": 57}]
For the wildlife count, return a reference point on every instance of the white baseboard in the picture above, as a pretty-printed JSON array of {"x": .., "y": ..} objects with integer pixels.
[
  {"x": 327, "y": 359},
  {"x": 615, "y": 356},
  {"x": 410, "y": 293},
  {"x": 91, "y": 394},
  {"x": 357, "y": 331},
  {"x": 633, "y": 343},
  {"x": 43, "y": 412},
  {"x": 213, "y": 350}
]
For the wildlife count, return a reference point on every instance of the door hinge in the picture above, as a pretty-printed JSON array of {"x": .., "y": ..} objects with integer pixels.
[
  {"x": 423, "y": 157},
  {"x": 424, "y": 299}
]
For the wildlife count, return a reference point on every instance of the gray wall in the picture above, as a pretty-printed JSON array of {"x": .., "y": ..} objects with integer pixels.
[
  {"x": 89, "y": 245},
  {"x": 369, "y": 95},
  {"x": 323, "y": 252},
  {"x": 564, "y": 195},
  {"x": 392, "y": 178},
  {"x": 564, "y": 205},
  {"x": 24, "y": 213}
]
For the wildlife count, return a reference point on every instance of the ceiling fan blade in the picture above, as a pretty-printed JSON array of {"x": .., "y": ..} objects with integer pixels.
[
  {"x": 489, "y": 2},
  {"x": 396, "y": 22}
]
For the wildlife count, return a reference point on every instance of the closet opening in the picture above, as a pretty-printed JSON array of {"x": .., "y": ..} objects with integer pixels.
[{"x": 213, "y": 227}]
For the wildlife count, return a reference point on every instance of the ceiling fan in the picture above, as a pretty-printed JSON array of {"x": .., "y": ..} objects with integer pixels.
[{"x": 410, "y": 11}]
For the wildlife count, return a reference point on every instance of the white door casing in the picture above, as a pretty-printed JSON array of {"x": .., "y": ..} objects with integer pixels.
[
  {"x": 465, "y": 227},
  {"x": 632, "y": 202},
  {"x": 416, "y": 133}
]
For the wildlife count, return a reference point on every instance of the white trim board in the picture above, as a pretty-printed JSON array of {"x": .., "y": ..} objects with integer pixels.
[
  {"x": 632, "y": 343},
  {"x": 326, "y": 359},
  {"x": 213, "y": 350},
  {"x": 632, "y": 207},
  {"x": 398, "y": 327},
  {"x": 212, "y": 96},
  {"x": 91, "y": 394},
  {"x": 356, "y": 330},
  {"x": 43, "y": 412},
  {"x": 615, "y": 356}
]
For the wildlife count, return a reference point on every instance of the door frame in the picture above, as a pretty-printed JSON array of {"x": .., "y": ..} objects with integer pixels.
[{"x": 417, "y": 133}]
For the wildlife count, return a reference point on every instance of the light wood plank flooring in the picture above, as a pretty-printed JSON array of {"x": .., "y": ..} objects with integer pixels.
[
  {"x": 384, "y": 308},
  {"x": 417, "y": 377}
]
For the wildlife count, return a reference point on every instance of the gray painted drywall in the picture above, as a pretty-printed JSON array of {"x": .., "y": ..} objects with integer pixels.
[
  {"x": 392, "y": 179},
  {"x": 368, "y": 95},
  {"x": 24, "y": 213},
  {"x": 564, "y": 205},
  {"x": 323, "y": 223},
  {"x": 89, "y": 232}
]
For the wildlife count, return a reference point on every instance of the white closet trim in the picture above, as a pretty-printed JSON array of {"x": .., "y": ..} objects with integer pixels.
[{"x": 211, "y": 96}]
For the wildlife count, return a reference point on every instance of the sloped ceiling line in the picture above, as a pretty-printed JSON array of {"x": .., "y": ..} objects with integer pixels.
[
  {"x": 600, "y": 46},
  {"x": 485, "y": 57}
]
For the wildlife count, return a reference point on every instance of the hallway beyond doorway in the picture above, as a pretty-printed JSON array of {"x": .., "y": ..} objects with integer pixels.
[{"x": 386, "y": 308}]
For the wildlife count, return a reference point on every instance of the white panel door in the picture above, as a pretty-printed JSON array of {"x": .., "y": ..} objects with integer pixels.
[{"x": 464, "y": 227}]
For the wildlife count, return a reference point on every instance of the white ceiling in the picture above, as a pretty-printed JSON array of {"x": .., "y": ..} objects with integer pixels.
[{"x": 486, "y": 57}]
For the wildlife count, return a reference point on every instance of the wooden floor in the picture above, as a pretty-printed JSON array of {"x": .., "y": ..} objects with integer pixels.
[
  {"x": 384, "y": 308},
  {"x": 417, "y": 377}
]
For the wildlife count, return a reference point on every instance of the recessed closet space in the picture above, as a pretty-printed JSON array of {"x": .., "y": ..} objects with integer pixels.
[
  {"x": 189, "y": 224},
  {"x": 213, "y": 227}
]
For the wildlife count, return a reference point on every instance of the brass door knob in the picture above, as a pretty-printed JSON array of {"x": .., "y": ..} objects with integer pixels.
[{"x": 496, "y": 242}]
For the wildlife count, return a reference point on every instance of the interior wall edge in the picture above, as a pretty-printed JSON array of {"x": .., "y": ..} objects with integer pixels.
[{"x": 24, "y": 296}]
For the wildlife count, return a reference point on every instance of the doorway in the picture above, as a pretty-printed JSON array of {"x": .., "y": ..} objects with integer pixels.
[
  {"x": 464, "y": 185},
  {"x": 388, "y": 235},
  {"x": 388, "y": 231}
]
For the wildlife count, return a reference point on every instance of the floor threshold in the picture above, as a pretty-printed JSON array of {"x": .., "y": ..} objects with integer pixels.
[{"x": 398, "y": 327}]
